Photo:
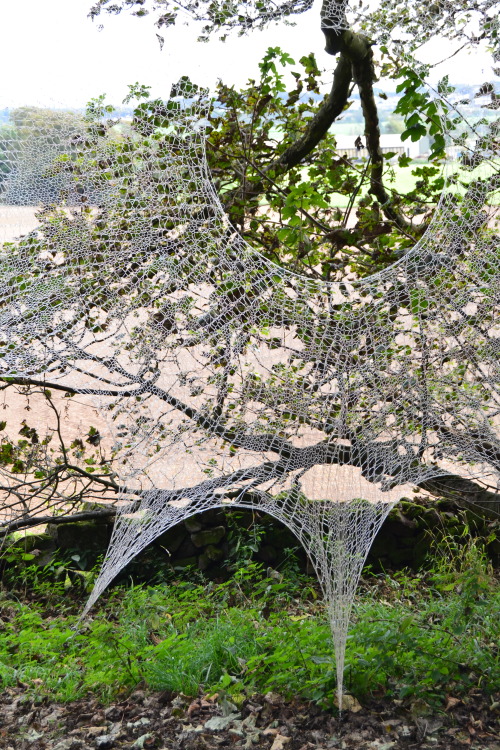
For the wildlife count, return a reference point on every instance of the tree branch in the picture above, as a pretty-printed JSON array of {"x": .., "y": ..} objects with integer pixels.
[
  {"x": 364, "y": 75},
  {"x": 460, "y": 491},
  {"x": 29, "y": 522},
  {"x": 357, "y": 48},
  {"x": 321, "y": 122},
  {"x": 318, "y": 127}
]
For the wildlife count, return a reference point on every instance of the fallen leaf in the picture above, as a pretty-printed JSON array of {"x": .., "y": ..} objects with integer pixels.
[
  {"x": 451, "y": 702},
  {"x": 212, "y": 697},
  {"x": 419, "y": 708},
  {"x": 33, "y": 735},
  {"x": 279, "y": 742},
  {"x": 144, "y": 741},
  {"x": 270, "y": 732},
  {"x": 274, "y": 699},
  {"x": 349, "y": 703},
  {"x": 476, "y": 723},
  {"x": 428, "y": 725},
  {"x": 95, "y": 731},
  {"x": 220, "y": 723},
  {"x": 194, "y": 707}
]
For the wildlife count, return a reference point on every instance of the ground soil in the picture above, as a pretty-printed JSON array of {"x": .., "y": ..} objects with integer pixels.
[{"x": 143, "y": 721}]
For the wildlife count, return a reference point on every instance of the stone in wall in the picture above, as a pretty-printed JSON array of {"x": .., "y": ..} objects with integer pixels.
[{"x": 207, "y": 537}]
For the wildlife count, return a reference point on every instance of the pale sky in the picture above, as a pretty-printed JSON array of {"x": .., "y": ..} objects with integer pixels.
[{"x": 53, "y": 54}]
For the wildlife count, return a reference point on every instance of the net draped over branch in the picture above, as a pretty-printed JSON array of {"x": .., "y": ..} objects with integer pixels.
[
  {"x": 226, "y": 380},
  {"x": 216, "y": 15}
]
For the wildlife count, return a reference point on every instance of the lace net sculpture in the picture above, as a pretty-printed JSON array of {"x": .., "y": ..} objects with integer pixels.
[{"x": 226, "y": 380}]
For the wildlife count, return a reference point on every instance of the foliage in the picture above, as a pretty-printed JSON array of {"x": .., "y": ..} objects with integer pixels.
[
  {"x": 218, "y": 15},
  {"x": 41, "y": 464},
  {"x": 421, "y": 636},
  {"x": 286, "y": 207},
  {"x": 292, "y": 195},
  {"x": 419, "y": 20},
  {"x": 243, "y": 542},
  {"x": 292, "y": 213},
  {"x": 457, "y": 20}
]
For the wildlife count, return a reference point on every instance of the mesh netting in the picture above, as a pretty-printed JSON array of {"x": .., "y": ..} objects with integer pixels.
[{"x": 226, "y": 380}]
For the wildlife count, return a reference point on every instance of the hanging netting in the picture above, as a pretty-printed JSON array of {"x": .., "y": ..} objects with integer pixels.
[{"x": 226, "y": 380}]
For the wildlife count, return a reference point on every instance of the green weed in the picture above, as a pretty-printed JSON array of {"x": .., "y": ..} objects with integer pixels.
[{"x": 423, "y": 635}]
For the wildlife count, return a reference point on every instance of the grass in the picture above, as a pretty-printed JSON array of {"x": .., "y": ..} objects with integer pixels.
[
  {"x": 401, "y": 180},
  {"x": 427, "y": 635}
]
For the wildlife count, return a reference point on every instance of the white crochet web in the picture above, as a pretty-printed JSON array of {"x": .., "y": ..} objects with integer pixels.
[{"x": 226, "y": 380}]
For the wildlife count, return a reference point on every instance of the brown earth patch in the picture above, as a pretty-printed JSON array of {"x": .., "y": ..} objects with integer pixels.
[{"x": 143, "y": 721}]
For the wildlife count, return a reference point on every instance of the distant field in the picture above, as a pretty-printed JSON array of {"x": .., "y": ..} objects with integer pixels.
[{"x": 403, "y": 181}]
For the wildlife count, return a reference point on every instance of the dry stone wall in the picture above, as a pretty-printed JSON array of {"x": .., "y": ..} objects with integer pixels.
[{"x": 217, "y": 541}]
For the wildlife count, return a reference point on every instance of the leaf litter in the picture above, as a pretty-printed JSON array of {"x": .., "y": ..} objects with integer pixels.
[{"x": 164, "y": 721}]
